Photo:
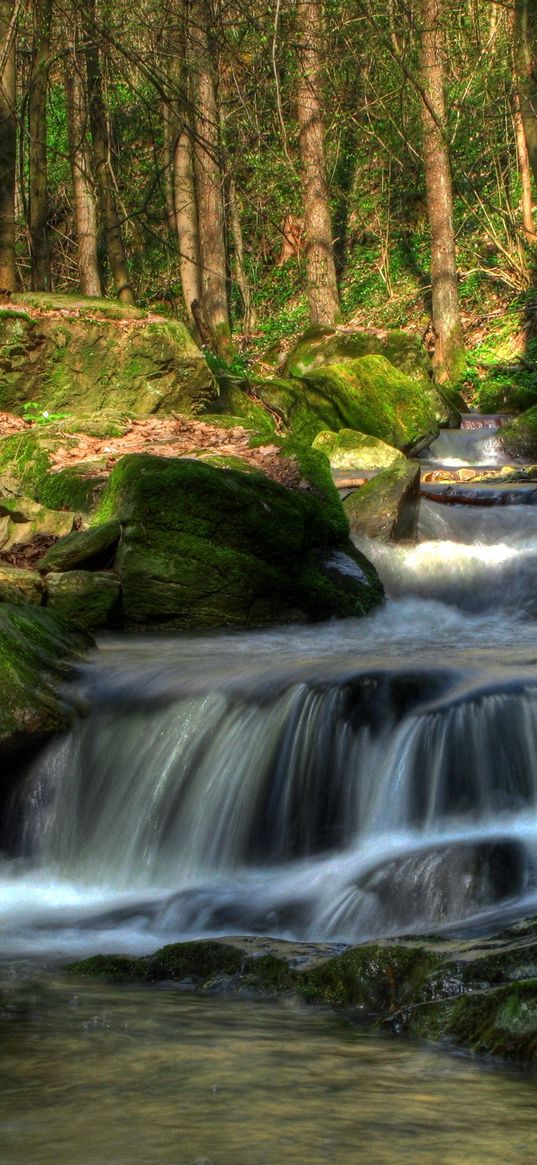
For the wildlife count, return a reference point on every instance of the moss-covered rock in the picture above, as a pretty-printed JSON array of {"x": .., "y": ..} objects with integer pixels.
[
  {"x": 36, "y": 650},
  {"x": 480, "y": 993},
  {"x": 387, "y": 507},
  {"x": 79, "y": 355},
  {"x": 28, "y": 460},
  {"x": 206, "y": 547},
  {"x": 92, "y": 549},
  {"x": 21, "y": 518},
  {"x": 84, "y": 598},
  {"x": 21, "y": 586},
  {"x": 351, "y": 450},
  {"x": 368, "y": 395},
  {"x": 519, "y": 437},
  {"x": 322, "y": 345}
]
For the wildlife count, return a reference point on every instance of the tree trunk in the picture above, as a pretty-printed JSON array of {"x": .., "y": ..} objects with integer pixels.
[
  {"x": 209, "y": 182},
  {"x": 525, "y": 48},
  {"x": 8, "y": 145},
  {"x": 178, "y": 123},
  {"x": 83, "y": 190},
  {"x": 318, "y": 249},
  {"x": 449, "y": 356},
  {"x": 37, "y": 147},
  {"x": 525, "y": 175},
  {"x": 238, "y": 255},
  {"x": 103, "y": 165}
]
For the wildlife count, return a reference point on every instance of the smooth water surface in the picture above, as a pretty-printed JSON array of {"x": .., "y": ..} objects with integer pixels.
[{"x": 101, "y": 1076}]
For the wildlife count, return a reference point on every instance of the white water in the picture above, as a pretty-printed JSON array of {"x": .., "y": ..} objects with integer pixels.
[{"x": 361, "y": 778}]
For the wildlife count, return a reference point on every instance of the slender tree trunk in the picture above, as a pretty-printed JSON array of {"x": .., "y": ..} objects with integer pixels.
[
  {"x": 37, "y": 146},
  {"x": 525, "y": 48},
  {"x": 449, "y": 357},
  {"x": 8, "y": 144},
  {"x": 184, "y": 207},
  {"x": 83, "y": 190},
  {"x": 238, "y": 255},
  {"x": 209, "y": 181},
  {"x": 103, "y": 164},
  {"x": 318, "y": 249},
  {"x": 525, "y": 175}
]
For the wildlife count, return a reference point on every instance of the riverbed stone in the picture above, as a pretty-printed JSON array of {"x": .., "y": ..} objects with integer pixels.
[
  {"x": 348, "y": 449},
  {"x": 84, "y": 598},
  {"x": 479, "y": 993},
  {"x": 387, "y": 508},
  {"x": 36, "y": 654},
  {"x": 91, "y": 549},
  {"x": 209, "y": 547},
  {"x": 77, "y": 355},
  {"x": 21, "y": 586}
]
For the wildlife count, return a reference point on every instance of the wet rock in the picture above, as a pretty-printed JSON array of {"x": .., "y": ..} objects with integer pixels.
[
  {"x": 36, "y": 650},
  {"x": 88, "y": 599},
  {"x": 387, "y": 507},
  {"x": 92, "y": 549}
]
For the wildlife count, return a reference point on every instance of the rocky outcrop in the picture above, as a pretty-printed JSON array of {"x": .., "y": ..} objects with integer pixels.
[
  {"x": 387, "y": 508},
  {"x": 85, "y": 598},
  {"x": 82, "y": 355}
]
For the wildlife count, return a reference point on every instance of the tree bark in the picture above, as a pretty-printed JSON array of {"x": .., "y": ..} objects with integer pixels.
[
  {"x": 238, "y": 256},
  {"x": 103, "y": 164},
  {"x": 525, "y": 49},
  {"x": 209, "y": 181},
  {"x": 37, "y": 147},
  {"x": 449, "y": 357},
  {"x": 323, "y": 293},
  {"x": 83, "y": 189},
  {"x": 8, "y": 145}
]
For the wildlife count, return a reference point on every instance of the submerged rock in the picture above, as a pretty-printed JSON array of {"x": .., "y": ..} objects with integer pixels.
[
  {"x": 75, "y": 354},
  {"x": 208, "y": 547},
  {"x": 480, "y": 993},
  {"x": 387, "y": 507}
]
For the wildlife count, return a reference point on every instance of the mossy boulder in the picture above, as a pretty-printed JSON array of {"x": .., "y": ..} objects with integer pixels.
[
  {"x": 351, "y": 450},
  {"x": 84, "y": 598},
  {"x": 368, "y": 395},
  {"x": 208, "y": 547},
  {"x": 519, "y": 437},
  {"x": 322, "y": 345},
  {"x": 28, "y": 459},
  {"x": 76, "y": 355},
  {"x": 36, "y": 652},
  {"x": 387, "y": 507}
]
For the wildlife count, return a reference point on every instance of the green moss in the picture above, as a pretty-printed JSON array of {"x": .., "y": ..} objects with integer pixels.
[
  {"x": 27, "y": 458},
  {"x": 351, "y": 450},
  {"x": 519, "y": 437},
  {"x": 376, "y": 977},
  {"x": 387, "y": 508},
  {"x": 325, "y": 345},
  {"x": 501, "y": 1021}
]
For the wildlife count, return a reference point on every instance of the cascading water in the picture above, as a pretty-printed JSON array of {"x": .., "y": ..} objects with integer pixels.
[{"x": 363, "y": 778}]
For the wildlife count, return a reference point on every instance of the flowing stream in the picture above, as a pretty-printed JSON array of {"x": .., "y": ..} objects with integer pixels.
[{"x": 333, "y": 783}]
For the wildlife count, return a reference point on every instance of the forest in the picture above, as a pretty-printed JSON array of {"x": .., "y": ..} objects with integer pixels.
[{"x": 251, "y": 168}]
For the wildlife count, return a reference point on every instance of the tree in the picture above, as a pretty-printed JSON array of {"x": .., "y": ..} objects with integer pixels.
[
  {"x": 525, "y": 51},
  {"x": 37, "y": 147},
  {"x": 323, "y": 293},
  {"x": 449, "y": 357},
  {"x": 80, "y": 159},
  {"x": 179, "y": 134},
  {"x": 8, "y": 143}
]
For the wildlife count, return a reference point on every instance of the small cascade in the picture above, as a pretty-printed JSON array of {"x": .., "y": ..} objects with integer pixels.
[{"x": 472, "y": 445}]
